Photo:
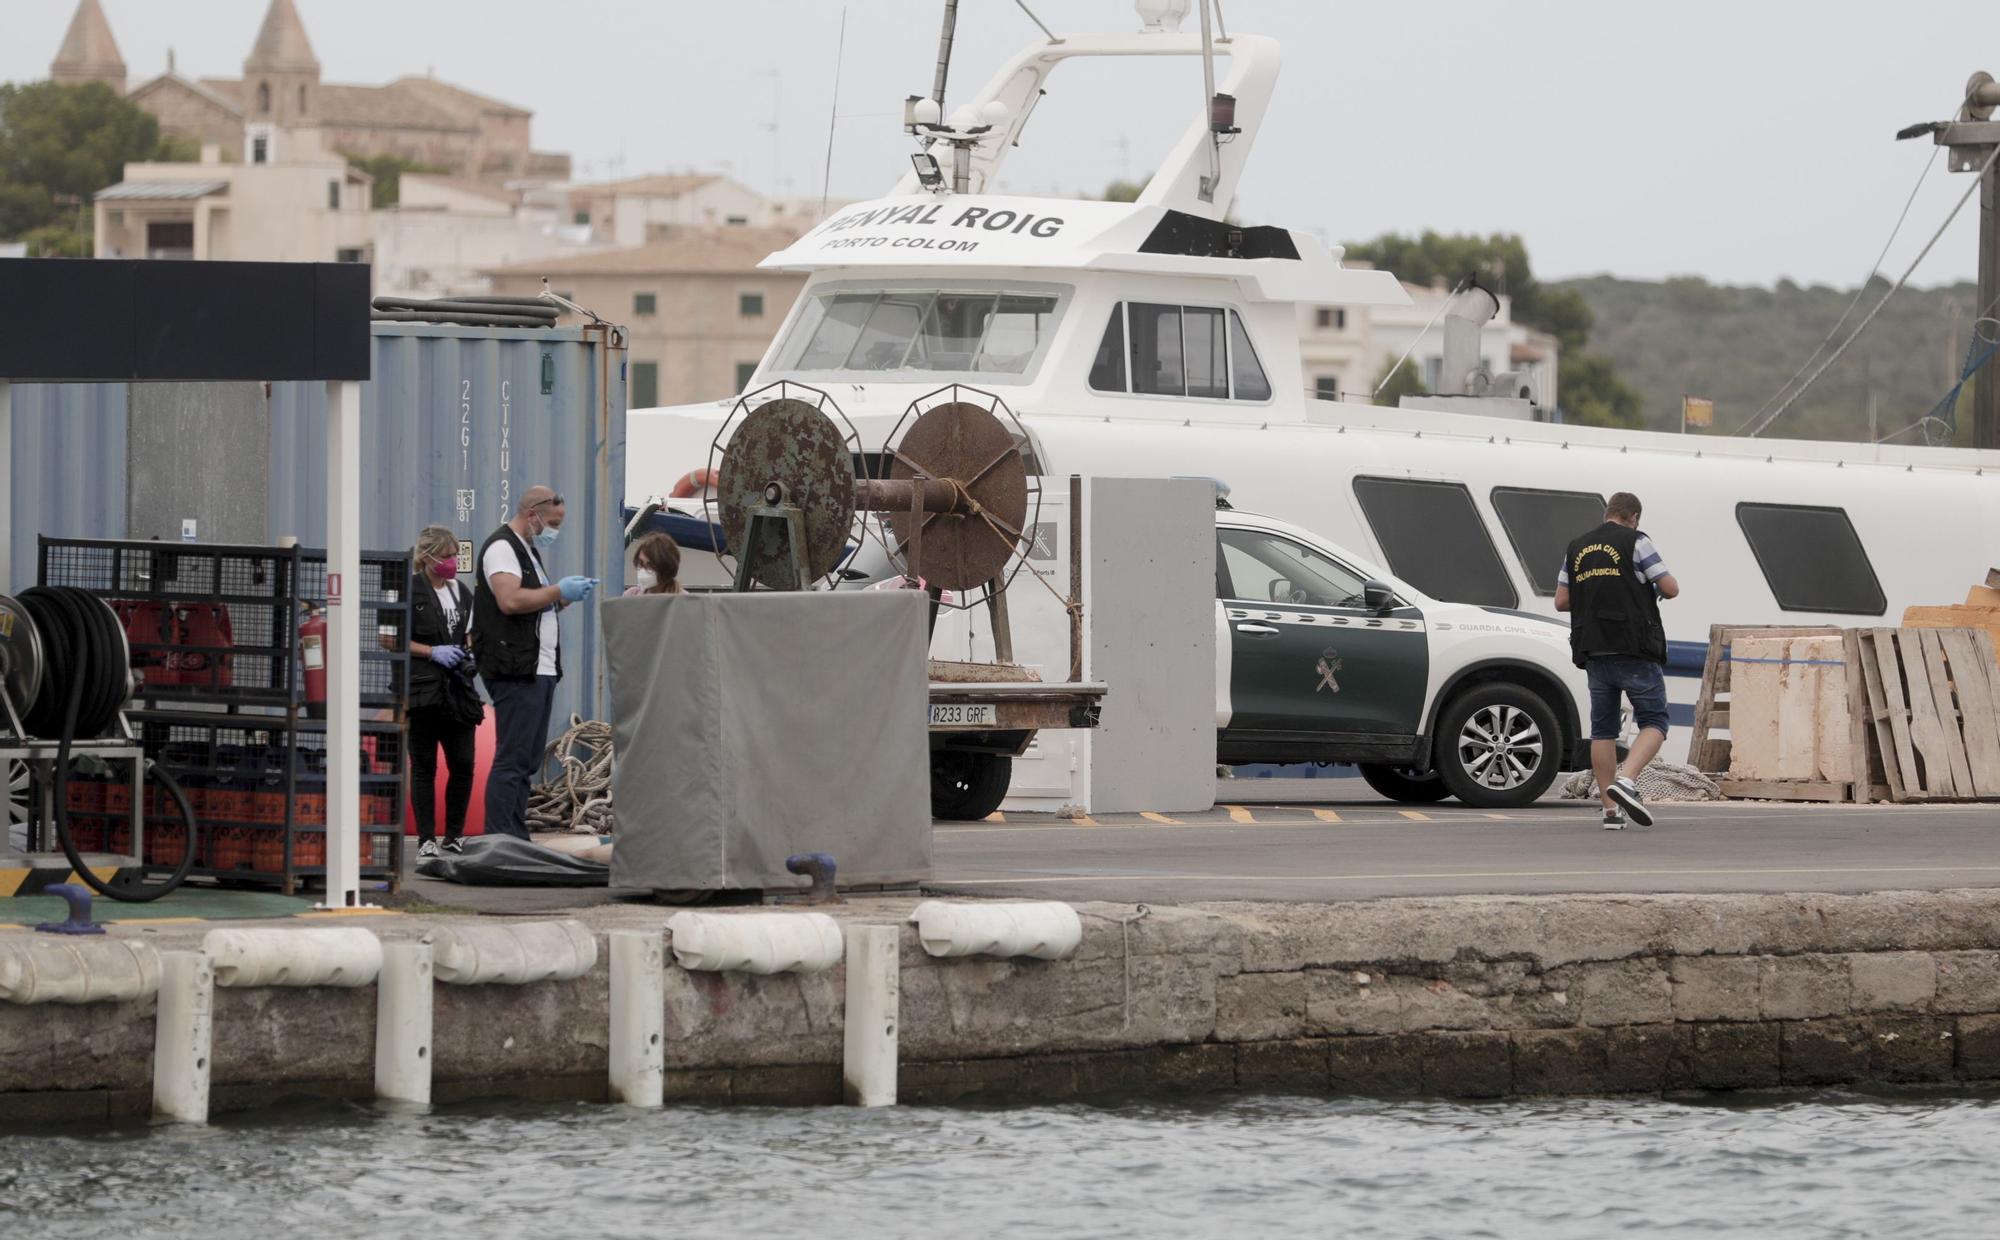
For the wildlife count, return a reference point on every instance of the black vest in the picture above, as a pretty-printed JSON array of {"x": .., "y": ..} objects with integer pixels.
[
  {"x": 1612, "y": 607},
  {"x": 508, "y": 647},
  {"x": 428, "y": 625}
]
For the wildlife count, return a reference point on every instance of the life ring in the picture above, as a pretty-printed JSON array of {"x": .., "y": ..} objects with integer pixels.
[{"x": 693, "y": 481}]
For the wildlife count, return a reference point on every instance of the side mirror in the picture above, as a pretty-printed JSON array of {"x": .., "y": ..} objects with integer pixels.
[
  {"x": 1282, "y": 591},
  {"x": 1378, "y": 595}
]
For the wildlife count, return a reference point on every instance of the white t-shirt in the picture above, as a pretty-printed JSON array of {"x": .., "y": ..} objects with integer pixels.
[
  {"x": 448, "y": 603},
  {"x": 500, "y": 558}
]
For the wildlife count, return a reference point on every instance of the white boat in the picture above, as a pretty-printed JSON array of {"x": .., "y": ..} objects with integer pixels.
[{"x": 1154, "y": 338}]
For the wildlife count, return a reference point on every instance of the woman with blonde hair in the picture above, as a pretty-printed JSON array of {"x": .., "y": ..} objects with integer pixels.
[
  {"x": 658, "y": 559},
  {"x": 444, "y": 707}
]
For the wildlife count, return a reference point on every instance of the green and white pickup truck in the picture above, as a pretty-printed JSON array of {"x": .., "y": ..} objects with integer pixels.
[{"x": 1324, "y": 657}]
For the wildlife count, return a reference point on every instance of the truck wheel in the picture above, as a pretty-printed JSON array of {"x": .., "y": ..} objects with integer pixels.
[
  {"x": 1400, "y": 783},
  {"x": 1498, "y": 747},
  {"x": 966, "y": 787}
]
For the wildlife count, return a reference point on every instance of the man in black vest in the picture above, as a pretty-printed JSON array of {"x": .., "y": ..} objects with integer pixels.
[
  {"x": 515, "y": 639},
  {"x": 1611, "y": 582}
]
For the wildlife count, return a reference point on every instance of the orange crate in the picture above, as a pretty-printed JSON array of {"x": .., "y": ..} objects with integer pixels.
[
  {"x": 309, "y": 807},
  {"x": 85, "y": 796},
  {"x": 166, "y": 845},
  {"x": 117, "y": 798},
  {"x": 267, "y": 851}
]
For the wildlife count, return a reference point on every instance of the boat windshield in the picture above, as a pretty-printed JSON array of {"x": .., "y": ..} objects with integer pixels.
[{"x": 991, "y": 331}]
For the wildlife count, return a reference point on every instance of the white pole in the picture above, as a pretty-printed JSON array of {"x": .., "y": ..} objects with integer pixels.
[
  {"x": 7, "y": 486},
  {"x": 343, "y": 640},
  {"x": 638, "y": 1018},
  {"x": 403, "y": 1023},
  {"x": 182, "y": 1039},
  {"x": 874, "y": 992}
]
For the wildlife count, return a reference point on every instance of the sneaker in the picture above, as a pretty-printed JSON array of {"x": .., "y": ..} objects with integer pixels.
[
  {"x": 454, "y": 846},
  {"x": 1614, "y": 820},
  {"x": 1626, "y": 793},
  {"x": 429, "y": 848}
]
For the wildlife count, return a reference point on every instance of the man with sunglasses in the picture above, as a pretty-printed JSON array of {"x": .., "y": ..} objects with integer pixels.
[{"x": 515, "y": 639}]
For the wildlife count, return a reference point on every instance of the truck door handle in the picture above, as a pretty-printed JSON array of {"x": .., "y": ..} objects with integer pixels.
[{"x": 1256, "y": 630}]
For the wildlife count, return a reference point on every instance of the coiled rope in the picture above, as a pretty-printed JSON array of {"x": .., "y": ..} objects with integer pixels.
[{"x": 578, "y": 797}]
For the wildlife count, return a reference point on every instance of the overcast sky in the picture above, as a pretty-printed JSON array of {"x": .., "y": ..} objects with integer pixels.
[{"x": 1742, "y": 141}]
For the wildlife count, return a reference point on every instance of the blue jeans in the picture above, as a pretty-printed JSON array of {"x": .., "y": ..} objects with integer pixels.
[
  {"x": 1642, "y": 680},
  {"x": 521, "y": 710}
]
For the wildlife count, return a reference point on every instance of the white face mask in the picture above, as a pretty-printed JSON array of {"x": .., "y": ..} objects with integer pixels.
[{"x": 648, "y": 579}]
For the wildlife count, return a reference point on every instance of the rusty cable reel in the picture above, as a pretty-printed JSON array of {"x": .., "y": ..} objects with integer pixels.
[
  {"x": 979, "y": 532},
  {"x": 787, "y": 452}
]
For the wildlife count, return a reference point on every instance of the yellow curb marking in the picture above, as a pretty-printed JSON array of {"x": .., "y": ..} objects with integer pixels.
[
  {"x": 996, "y": 816},
  {"x": 1238, "y": 814},
  {"x": 1414, "y": 816},
  {"x": 1326, "y": 815},
  {"x": 1162, "y": 819}
]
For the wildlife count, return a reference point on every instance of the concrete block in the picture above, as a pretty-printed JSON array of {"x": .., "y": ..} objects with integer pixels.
[
  {"x": 1342, "y": 1001},
  {"x": 1559, "y": 1061},
  {"x": 1467, "y": 1065},
  {"x": 1802, "y": 987},
  {"x": 1715, "y": 987},
  {"x": 1260, "y": 1007},
  {"x": 1887, "y": 921},
  {"x": 1435, "y": 1003},
  {"x": 726, "y": 1020},
  {"x": 975, "y": 1008},
  {"x": 1130, "y": 1072},
  {"x": 1726, "y": 1056},
  {"x": 1968, "y": 982},
  {"x": 1911, "y": 1049},
  {"x": 1978, "y": 1048},
  {"x": 710, "y": 1086},
  {"x": 1739, "y": 925},
  {"x": 1049, "y": 1078},
  {"x": 1578, "y": 929},
  {"x": 489, "y": 1032},
  {"x": 1891, "y": 981},
  {"x": 1638, "y": 1058},
  {"x": 278, "y": 1035},
  {"x": 946, "y": 1081},
  {"x": 1390, "y": 1067},
  {"x": 813, "y": 1084},
  {"x": 1624, "y": 992},
  {"x": 98, "y": 1045},
  {"x": 1299, "y": 1064},
  {"x": 1198, "y": 1068},
  {"x": 1824, "y": 1052}
]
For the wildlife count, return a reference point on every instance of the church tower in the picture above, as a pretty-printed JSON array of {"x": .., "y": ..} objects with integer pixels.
[
  {"x": 281, "y": 74},
  {"x": 89, "y": 53}
]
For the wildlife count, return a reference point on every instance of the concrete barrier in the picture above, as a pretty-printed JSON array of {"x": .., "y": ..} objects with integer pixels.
[
  {"x": 755, "y": 942},
  {"x": 493, "y": 953},
  {"x": 49, "y": 969}
]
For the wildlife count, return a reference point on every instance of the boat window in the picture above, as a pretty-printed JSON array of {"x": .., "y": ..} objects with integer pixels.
[
  {"x": 1246, "y": 373},
  {"x": 1265, "y": 568},
  {"x": 1812, "y": 558},
  {"x": 1107, "y": 372},
  {"x": 1207, "y": 356},
  {"x": 949, "y": 331},
  {"x": 1156, "y": 349},
  {"x": 1541, "y": 524},
  {"x": 1433, "y": 538}
]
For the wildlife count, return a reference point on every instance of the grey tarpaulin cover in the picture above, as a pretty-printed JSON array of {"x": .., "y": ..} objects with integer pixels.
[{"x": 750, "y": 727}]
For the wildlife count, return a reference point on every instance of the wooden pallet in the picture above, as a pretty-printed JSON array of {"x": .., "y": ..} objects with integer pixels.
[
  {"x": 1706, "y": 753},
  {"x": 1933, "y": 706}
]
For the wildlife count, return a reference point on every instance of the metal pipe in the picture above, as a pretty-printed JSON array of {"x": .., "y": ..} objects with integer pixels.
[
  {"x": 944, "y": 52},
  {"x": 1075, "y": 577},
  {"x": 1207, "y": 104},
  {"x": 935, "y": 495}
]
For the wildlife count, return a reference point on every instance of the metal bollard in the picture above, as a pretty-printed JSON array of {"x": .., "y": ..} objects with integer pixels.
[
  {"x": 638, "y": 1018},
  {"x": 403, "y": 1003},
  {"x": 874, "y": 995},
  {"x": 183, "y": 1037}
]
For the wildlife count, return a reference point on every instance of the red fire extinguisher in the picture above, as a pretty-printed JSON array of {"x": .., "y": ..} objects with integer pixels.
[{"x": 312, "y": 658}]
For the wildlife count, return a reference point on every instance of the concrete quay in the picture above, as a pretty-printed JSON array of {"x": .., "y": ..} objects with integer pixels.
[{"x": 1466, "y": 997}]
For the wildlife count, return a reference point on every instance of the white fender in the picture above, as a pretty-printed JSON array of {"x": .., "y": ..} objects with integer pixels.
[
  {"x": 43, "y": 968},
  {"x": 513, "y": 953},
  {"x": 1045, "y": 930},
  {"x": 755, "y": 942},
  {"x": 319, "y": 956}
]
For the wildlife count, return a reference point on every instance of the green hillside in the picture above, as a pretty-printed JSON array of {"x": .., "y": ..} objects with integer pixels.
[{"x": 1738, "y": 346}]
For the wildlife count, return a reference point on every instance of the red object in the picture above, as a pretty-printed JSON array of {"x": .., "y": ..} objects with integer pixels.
[
  {"x": 693, "y": 481},
  {"x": 312, "y": 657},
  {"x": 482, "y": 763},
  {"x": 185, "y": 644}
]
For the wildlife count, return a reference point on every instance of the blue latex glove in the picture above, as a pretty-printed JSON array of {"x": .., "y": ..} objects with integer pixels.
[
  {"x": 576, "y": 589},
  {"x": 447, "y": 657}
]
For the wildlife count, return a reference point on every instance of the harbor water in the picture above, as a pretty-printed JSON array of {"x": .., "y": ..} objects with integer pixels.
[{"x": 1831, "y": 1164}]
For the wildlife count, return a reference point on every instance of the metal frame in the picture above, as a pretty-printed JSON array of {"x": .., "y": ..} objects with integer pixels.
[{"x": 39, "y": 756}]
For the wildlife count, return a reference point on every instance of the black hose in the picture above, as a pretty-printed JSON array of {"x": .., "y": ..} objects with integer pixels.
[{"x": 85, "y": 646}]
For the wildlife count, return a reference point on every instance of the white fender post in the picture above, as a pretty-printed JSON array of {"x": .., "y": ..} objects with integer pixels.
[
  {"x": 1043, "y": 930},
  {"x": 638, "y": 1018},
  {"x": 183, "y": 1037},
  {"x": 343, "y": 644},
  {"x": 874, "y": 994},
  {"x": 755, "y": 942},
  {"x": 319, "y": 956},
  {"x": 403, "y": 995}
]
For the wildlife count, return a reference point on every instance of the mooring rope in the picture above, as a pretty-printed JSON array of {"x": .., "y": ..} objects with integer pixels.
[{"x": 578, "y": 797}]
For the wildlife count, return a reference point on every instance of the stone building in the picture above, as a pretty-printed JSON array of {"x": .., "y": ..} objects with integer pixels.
[
  {"x": 421, "y": 119},
  {"x": 699, "y": 311}
]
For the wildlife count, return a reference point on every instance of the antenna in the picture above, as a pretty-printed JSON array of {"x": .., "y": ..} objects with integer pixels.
[{"x": 833, "y": 114}]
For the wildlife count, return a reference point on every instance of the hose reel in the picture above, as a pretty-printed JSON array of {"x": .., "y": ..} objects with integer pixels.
[{"x": 65, "y": 676}]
